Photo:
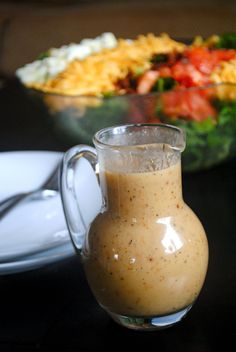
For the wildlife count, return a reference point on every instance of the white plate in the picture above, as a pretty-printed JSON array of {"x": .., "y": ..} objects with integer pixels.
[{"x": 33, "y": 234}]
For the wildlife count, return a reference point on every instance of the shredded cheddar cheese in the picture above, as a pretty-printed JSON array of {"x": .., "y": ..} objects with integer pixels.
[{"x": 98, "y": 73}]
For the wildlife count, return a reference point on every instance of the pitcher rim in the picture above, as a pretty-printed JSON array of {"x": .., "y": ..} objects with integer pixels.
[{"x": 101, "y": 144}]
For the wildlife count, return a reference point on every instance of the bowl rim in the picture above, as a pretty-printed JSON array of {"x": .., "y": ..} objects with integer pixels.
[{"x": 131, "y": 96}]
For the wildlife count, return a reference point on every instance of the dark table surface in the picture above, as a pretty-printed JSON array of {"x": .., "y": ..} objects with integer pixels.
[{"x": 52, "y": 308}]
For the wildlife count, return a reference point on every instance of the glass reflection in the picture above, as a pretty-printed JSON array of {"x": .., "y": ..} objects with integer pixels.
[{"x": 171, "y": 240}]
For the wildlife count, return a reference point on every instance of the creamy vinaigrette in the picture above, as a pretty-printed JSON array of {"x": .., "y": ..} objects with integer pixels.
[{"x": 147, "y": 255}]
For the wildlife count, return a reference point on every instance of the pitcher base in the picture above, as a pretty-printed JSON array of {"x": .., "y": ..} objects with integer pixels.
[{"x": 150, "y": 323}]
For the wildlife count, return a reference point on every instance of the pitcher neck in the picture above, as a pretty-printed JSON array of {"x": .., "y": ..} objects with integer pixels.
[{"x": 144, "y": 193}]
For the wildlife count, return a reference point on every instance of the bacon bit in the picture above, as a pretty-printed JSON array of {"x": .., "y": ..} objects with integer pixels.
[
  {"x": 127, "y": 84},
  {"x": 146, "y": 81}
]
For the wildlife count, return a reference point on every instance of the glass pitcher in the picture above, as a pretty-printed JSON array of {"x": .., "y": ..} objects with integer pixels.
[{"x": 144, "y": 251}]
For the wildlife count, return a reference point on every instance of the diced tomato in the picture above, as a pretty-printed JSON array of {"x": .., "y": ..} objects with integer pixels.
[
  {"x": 135, "y": 113},
  {"x": 202, "y": 59},
  {"x": 205, "y": 60},
  {"x": 187, "y": 75},
  {"x": 143, "y": 109},
  {"x": 192, "y": 105},
  {"x": 225, "y": 55}
]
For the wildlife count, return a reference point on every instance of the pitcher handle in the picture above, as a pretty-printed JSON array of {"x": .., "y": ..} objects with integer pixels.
[{"x": 76, "y": 195}]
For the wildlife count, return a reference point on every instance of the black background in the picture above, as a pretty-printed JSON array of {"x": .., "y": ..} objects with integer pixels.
[{"x": 52, "y": 308}]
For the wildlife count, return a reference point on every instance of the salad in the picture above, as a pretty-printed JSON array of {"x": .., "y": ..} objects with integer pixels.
[{"x": 150, "y": 79}]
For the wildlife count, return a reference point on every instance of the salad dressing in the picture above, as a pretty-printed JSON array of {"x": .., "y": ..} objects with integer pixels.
[{"x": 147, "y": 254}]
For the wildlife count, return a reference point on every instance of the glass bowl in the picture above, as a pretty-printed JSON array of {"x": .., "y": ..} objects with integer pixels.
[{"x": 207, "y": 114}]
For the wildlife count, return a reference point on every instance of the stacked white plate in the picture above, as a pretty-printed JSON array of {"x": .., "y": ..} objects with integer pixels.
[{"x": 33, "y": 233}]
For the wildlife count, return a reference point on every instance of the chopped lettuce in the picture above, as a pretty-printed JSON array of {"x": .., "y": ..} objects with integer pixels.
[
  {"x": 43, "y": 55},
  {"x": 226, "y": 41},
  {"x": 209, "y": 142},
  {"x": 163, "y": 84}
]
